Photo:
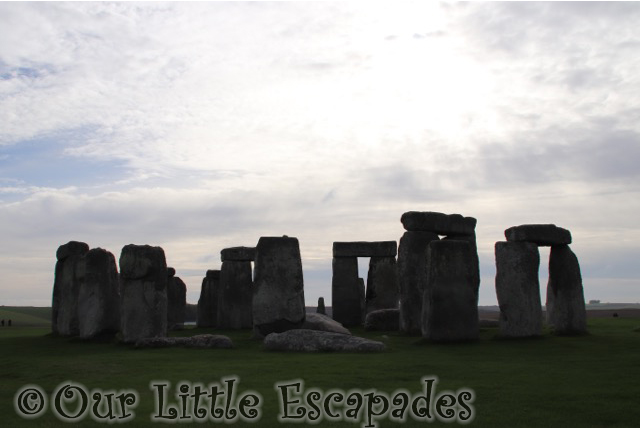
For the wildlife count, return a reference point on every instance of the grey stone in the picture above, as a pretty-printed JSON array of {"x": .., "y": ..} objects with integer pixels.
[
  {"x": 319, "y": 341},
  {"x": 238, "y": 254},
  {"x": 208, "y": 301},
  {"x": 321, "y": 309},
  {"x": 383, "y": 320},
  {"x": 518, "y": 289},
  {"x": 176, "y": 302},
  {"x": 365, "y": 249},
  {"x": 566, "y": 311},
  {"x": 66, "y": 287},
  {"x": 235, "y": 298},
  {"x": 442, "y": 224},
  {"x": 347, "y": 299},
  {"x": 412, "y": 278},
  {"x": 544, "y": 235},
  {"x": 382, "y": 284},
  {"x": 450, "y": 306},
  {"x": 99, "y": 294},
  {"x": 278, "y": 297},
  {"x": 201, "y": 341},
  {"x": 171, "y": 272},
  {"x": 143, "y": 272},
  {"x": 323, "y": 323}
]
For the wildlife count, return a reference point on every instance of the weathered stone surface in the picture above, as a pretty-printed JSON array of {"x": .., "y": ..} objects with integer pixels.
[
  {"x": 99, "y": 294},
  {"x": 323, "y": 323},
  {"x": 365, "y": 249},
  {"x": 544, "y": 235},
  {"x": 319, "y": 341},
  {"x": 143, "y": 272},
  {"x": 442, "y": 224},
  {"x": 236, "y": 294},
  {"x": 176, "y": 302},
  {"x": 278, "y": 297},
  {"x": 201, "y": 341},
  {"x": 382, "y": 284},
  {"x": 208, "y": 301},
  {"x": 66, "y": 287},
  {"x": 450, "y": 306},
  {"x": 566, "y": 311},
  {"x": 383, "y": 320},
  {"x": 518, "y": 289},
  {"x": 238, "y": 254},
  {"x": 347, "y": 300},
  {"x": 412, "y": 278},
  {"x": 321, "y": 309}
]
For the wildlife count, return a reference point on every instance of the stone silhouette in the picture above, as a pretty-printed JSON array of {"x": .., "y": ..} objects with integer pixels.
[
  {"x": 143, "y": 271},
  {"x": 566, "y": 310},
  {"x": 543, "y": 235},
  {"x": 321, "y": 308},
  {"x": 208, "y": 301},
  {"x": 176, "y": 300},
  {"x": 236, "y": 288},
  {"x": 278, "y": 292},
  {"x": 66, "y": 287}
]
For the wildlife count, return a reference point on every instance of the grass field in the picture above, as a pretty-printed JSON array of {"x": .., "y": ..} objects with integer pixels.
[
  {"x": 587, "y": 381},
  {"x": 26, "y": 316}
]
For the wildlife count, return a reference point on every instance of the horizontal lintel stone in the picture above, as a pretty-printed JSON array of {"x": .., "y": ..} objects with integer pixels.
[
  {"x": 365, "y": 249},
  {"x": 442, "y": 224},
  {"x": 545, "y": 235},
  {"x": 239, "y": 254}
]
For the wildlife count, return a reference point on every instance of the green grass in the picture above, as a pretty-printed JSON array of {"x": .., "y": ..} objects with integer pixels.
[
  {"x": 586, "y": 381},
  {"x": 26, "y": 316}
]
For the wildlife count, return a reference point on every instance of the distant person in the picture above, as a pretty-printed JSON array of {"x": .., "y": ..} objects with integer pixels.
[
  {"x": 2, "y": 323},
  {"x": 615, "y": 315},
  {"x": 9, "y": 323}
]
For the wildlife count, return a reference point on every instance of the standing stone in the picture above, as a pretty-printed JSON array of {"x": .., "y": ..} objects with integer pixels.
[
  {"x": 450, "y": 307},
  {"x": 208, "y": 301},
  {"x": 347, "y": 300},
  {"x": 321, "y": 309},
  {"x": 235, "y": 298},
  {"x": 566, "y": 311},
  {"x": 412, "y": 278},
  {"x": 176, "y": 301},
  {"x": 475, "y": 263},
  {"x": 278, "y": 297},
  {"x": 66, "y": 286},
  {"x": 143, "y": 271},
  {"x": 382, "y": 284},
  {"x": 362, "y": 295},
  {"x": 518, "y": 289},
  {"x": 99, "y": 295}
]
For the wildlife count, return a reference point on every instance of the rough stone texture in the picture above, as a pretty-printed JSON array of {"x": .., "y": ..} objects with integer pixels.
[
  {"x": 208, "y": 301},
  {"x": 544, "y": 235},
  {"x": 143, "y": 272},
  {"x": 450, "y": 307},
  {"x": 235, "y": 298},
  {"x": 176, "y": 301},
  {"x": 518, "y": 289},
  {"x": 238, "y": 254},
  {"x": 382, "y": 284},
  {"x": 365, "y": 249},
  {"x": 99, "y": 294},
  {"x": 66, "y": 286},
  {"x": 321, "y": 309},
  {"x": 475, "y": 263},
  {"x": 278, "y": 297},
  {"x": 323, "y": 323},
  {"x": 566, "y": 311},
  {"x": 347, "y": 299},
  {"x": 383, "y": 320},
  {"x": 442, "y": 224},
  {"x": 319, "y": 341},
  {"x": 412, "y": 278},
  {"x": 201, "y": 341}
]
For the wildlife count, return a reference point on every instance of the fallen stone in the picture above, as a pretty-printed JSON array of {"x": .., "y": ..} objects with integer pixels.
[
  {"x": 238, "y": 254},
  {"x": 383, "y": 320},
  {"x": 566, "y": 311},
  {"x": 66, "y": 287},
  {"x": 544, "y": 235},
  {"x": 323, "y": 323},
  {"x": 365, "y": 249},
  {"x": 201, "y": 341},
  {"x": 319, "y": 341},
  {"x": 442, "y": 224},
  {"x": 347, "y": 299},
  {"x": 382, "y": 284},
  {"x": 208, "y": 301}
]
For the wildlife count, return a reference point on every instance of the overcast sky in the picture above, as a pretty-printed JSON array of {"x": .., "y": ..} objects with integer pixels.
[{"x": 200, "y": 126}]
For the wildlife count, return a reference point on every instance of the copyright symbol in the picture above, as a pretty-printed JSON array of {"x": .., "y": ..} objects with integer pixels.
[{"x": 30, "y": 401}]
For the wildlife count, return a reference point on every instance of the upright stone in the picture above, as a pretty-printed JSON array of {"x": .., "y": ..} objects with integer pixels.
[
  {"x": 176, "y": 301},
  {"x": 450, "y": 306},
  {"x": 66, "y": 287},
  {"x": 566, "y": 310},
  {"x": 382, "y": 284},
  {"x": 518, "y": 289},
  {"x": 235, "y": 299},
  {"x": 347, "y": 300},
  {"x": 412, "y": 278},
  {"x": 208, "y": 301},
  {"x": 143, "y": 271},
  {"x": 278, "y": 297},
  {"x": 99, "y": 295},
  {"x": 321, "y": 309}
]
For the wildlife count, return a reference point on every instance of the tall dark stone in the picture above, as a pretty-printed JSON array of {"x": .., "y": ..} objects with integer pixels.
[
  {"x": 208, "y": 301},
  {"x": 382, "y": 284},
  {"x": 347, "y": 300},
  {"x": 236, "y": 294},
  {"x": 321, "y": 308},
  {"x": 176, "y": 301},
  {"x": 66, "y": 288},
  {"x": 566, "y": 311}
]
